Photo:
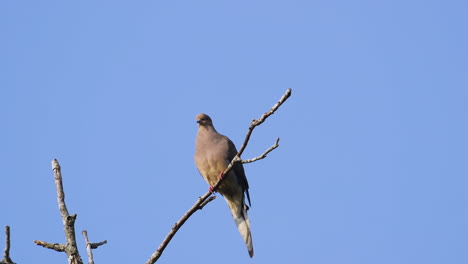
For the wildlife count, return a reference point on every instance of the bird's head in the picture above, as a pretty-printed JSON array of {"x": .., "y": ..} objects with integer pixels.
[{"x": 204, "y": 120}]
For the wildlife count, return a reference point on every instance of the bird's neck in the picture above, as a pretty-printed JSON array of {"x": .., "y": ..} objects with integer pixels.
[
  {"x": 208, "y": 129},
  {"x": 207, "y": 133}
]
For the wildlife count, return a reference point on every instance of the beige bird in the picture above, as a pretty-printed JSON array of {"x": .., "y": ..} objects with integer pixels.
[{"x": 213, "y": 153}]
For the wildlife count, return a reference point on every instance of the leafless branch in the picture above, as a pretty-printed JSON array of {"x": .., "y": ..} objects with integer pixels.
[
  {"x": 98, "y": 244},
  {"x": 264, "y": 153},
  {"x": 201, "y": 200},
  {"x": 54, "y": 246},
  {"x": 68, "y": 222},
  {"x": 6, "y": 256},
  {"x": 90, "y": 246}
]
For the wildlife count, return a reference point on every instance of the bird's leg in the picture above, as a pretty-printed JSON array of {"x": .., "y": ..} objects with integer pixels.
[{"x": 221, "y": 175}]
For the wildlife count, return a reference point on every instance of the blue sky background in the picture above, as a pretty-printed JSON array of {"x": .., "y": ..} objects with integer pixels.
[{"x": 372, "y": 164}]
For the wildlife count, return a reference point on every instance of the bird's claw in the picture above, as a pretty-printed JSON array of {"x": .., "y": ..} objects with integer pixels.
[{"x": 221, "y": 176}]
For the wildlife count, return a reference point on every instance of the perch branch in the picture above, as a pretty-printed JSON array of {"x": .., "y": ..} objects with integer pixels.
[
  {"x": 90, "y": 246},
  {"x": 68, "y": 222},
  {"x": 6, "y": 255},
  {"x": 201, "y": 200}
]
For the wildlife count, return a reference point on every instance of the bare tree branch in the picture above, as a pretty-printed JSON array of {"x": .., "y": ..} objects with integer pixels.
[
  {"x": 90, "y": 246},
  {"x": 54, "y": 246},
  {"x": 98, "y": 244},
  {"x": 68, "y": 222},
  {"x": 206, "y": 202},
  {"x": 264, "y": 153},
  {"x": 6, "y": 256},
  {"x": 201, "y": 200}
]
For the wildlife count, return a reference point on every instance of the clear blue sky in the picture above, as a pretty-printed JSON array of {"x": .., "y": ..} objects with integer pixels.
[{"x": 372, "y": 164}]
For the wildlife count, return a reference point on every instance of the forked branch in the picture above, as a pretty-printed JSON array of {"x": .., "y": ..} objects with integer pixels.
[
  {"x": 68, "y": 222},
  {"x": 90, "y": 246}
]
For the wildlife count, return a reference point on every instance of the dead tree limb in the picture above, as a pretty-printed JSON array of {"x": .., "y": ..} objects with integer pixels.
[
  {"x": 90, "y": 246},
  {"x": 70, "y": 248},
  {"x": 6, "y": 255},
  {"x": 201, "y": 200}
]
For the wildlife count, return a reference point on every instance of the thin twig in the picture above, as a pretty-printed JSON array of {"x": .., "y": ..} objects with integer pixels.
[
  {"x": 98, "y": 244},
  {"x": 264, "y": 153},
  {"x": 206, "y": 202},
  {"x": 256, "y": 122},
  {"x": 6, "y": 256},
  {"x": 68, "y": 221}
]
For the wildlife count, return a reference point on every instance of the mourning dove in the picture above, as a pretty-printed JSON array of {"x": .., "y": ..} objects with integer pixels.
[{"x": 213, "y": 153}]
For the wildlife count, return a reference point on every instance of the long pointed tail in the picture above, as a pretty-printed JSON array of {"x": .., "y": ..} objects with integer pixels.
[{"x": 239, "y": 213}]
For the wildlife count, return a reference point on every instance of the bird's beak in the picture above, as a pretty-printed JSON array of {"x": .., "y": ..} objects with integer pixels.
[{"x": 198, "y": 121}]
